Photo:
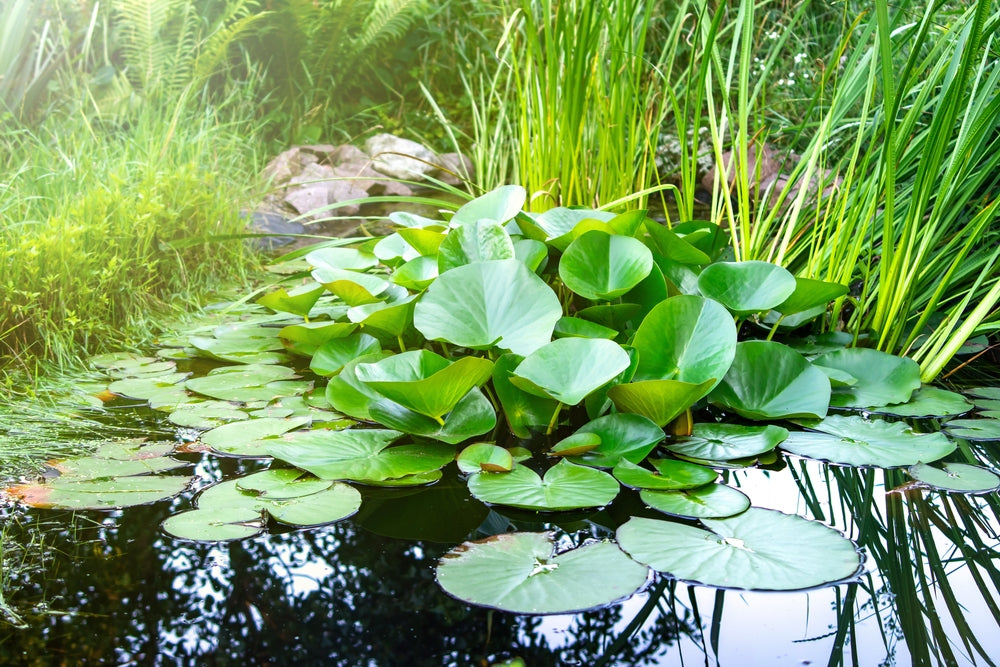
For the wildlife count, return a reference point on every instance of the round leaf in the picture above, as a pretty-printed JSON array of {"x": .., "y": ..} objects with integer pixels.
[
  {"x": 973, "y": 429},
  {"x": 623, "y": 436},
  {"x": 521, "y": 573},
  {"x": 724, "y": 442},
  {"x": 746, "y": 287},
  {"x": 882, "y": 378},
  {"x": 220, "y": 524},
  {"x": 661, "y": 401},
  {"x": 960, "y": 477},
  {"x": 927, "y": 402},
  {"x": 705, "y": 502},
  {"x": 759, "y": 549},
  {"x": 602, "y": 266},
  {"x": 498, "y": 303},
  {"x": 478, "y": 241},
  {"x": 484, "y": 456},
  {"x": 568, "y": 369},
  {"x": 855, "y": 441},
  {"x": 669, "y": 475},
  {"x": 565, "y": 486}
]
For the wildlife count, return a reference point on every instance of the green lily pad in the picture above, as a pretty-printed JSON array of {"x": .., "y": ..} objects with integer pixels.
[
  {"x": 99, "y": 494},
  {"x": 673, "y": 247},
  {"x": 304, "y": 338},
  {"x": 387, "y": 319},
  {"x": 768, "y": 380},
  {"x": 423, "y": 381},
  {"x": 668, "y": 475},
  {"x": 206, "y": 414},
  {"x": 565, "y": 486},
  {"x": 159, "y": 389},
  {"x": 881, "y": 378},
  {"x": 242, "y": 345},
  {"x": 330, "y": 358},
  {"x": 417, "y": 273},
  {"x": 724, "y": 442},
  {"x": 497, "y": 303},
  {"x": 958, "y": 477},
  {"x": 478, "y": 241},
  {"x": 973, "y": 429},
  {"x": 352, "y": 287},
  {"x": 347, "y": 394},
  {"x": 686, "y": 338},
  {"x": 250, "y": 437},
  {"x": 602, "y": 266},
  {"x": 984, "y": 392},
  {"x": 810, "y": 294},
  {"x": 660, "y": 401},
  {"x": 498, "y": 206},
  {"x": 927, "y": 402},
  {"x": 576, "y": 444},
  {"x": 350, "y": 259},
  {"x": 522, "y": 573},
  {"x": 574, "y": 327},
  {"x": 759, "y": 549},
  {"x": 624, "y": 436},
  {"x": 425, "y": 240},
  {"x": 567, "y": 369},
  {"x": 298, "y": 301},
  {"x": 531, "y": 253},
  {"x": 710, "y": 501},
  {"x": 248, "y": 383},
  {"x": 484, "y": 456},
  {"x": 855, "y": 441},
  {"x": 746, "y": 287},
  {"x": 221, "y": 524},
  {"x": 473, "y": 416},
  {"x": 560, "y": 221},
  {"x": 358, "y": 454}
]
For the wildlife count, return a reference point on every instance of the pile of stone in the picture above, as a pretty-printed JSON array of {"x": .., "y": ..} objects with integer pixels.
[{"x": 308, "y": 185}]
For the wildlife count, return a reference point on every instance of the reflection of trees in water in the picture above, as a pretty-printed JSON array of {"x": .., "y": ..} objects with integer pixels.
[{"x": 337, "y": 595}]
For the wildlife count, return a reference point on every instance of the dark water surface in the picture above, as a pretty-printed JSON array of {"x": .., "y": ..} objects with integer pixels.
[{"x": 117, "y": 591}]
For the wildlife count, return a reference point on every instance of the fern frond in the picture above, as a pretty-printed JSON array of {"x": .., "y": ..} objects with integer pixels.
[{"x": 388, "y": 20}]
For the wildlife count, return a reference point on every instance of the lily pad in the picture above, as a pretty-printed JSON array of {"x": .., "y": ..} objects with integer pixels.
[
  {"x": 248, "y": 383},
  {"x": 358, "y": 454},
  {"x": 522, "y": 573},
  {"x": 250, "y": 437},
  {"x": 484, "y": 456},
  {"x": 417, "y": 273},
  {"x": 855, "y": 441},
  {"x": 478, "y": 241},
  {"x": 687, "y": 338},
  {"x": 810, "y": 294},
  {"x": 724, "y": 442},
  {"x": 927, "y": 402},
  {"x": 330, "y": 358},
  {"x": 668, "y": 475},
  {"x": 522, "y": 410},
  {"x": 206, "y": 414},
  {"x": 100, "y": 494},
  {"x": 623, "y": 436},
  {"x": 298, "y": 301},
  {"x": 567, "y": 369},
  {"x": 565, "y": 486},
  {"x": 497, "y": 303},
  {"x": 498, "y": 206},
  {"x": 746, "y": 287},
  {"x": 958, "y": 477},
  {"x": 423, "y": 381},
  {"x": 711, "y": 501},
  {"x": 569, "y": 327},
  {"x": 660, "y": 401},
  {"x": 882, "y": 378},
  {"x": 601, "y": 266},
  {"x": 221, "y": 524},
  {"x": 350, "y": 259},
  {"x": 759, "y": 549},
  {"x": 473, "y": 416},
  {"x": 973, "y": 429},
  {"x": 768, "y": 380}
]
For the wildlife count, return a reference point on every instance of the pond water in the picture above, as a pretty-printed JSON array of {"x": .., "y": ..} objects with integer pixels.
[{"x": 116, "y": 590}]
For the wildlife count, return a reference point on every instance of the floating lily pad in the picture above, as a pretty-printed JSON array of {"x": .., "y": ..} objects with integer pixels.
[
  {"x": 710, "y": 501},
  {"x": 248, "y": 383},
  {"x": 221, "y": 524},
  {"x": 686, "y": 338},
  {"x": 522, "y": 573},
  {"x": 161, "y": 389},
  {"x": 668, "y": 475},
  {"x": 746, "y": 287},
  {"x": 724, "y": 442},
  {"x": 498, "y": 303},
  {"x": 250, "y": 437},
  {"x": 958, "y": 477},
  {"x": 304, "y": 338},
  {"x": 206, "y": 414},
  {"x": 100, "y": 494},
  {"x": 298, "y": 301},
  {"x": 358, "y": 454},
  {"x": 484, "y": 456},
  {"x": 247, "y": 345},
  {"x": 855, "y": 441},
  {"x": 473, "y": 416},
  {"x": 759, "y": 549},
  {"x": 927, "y": 402},
  {"x": 768, "y": 380},
  {"x": 567, "y": 369},
  {"x": 881, "y": 378},
  {"x": 973, "y": 429},
  {"x": 623, "y": 436},
  {"x": 565, "y": 486},
  {"x": 984, "y": 392},
  {"x": 601, "y": 266},
  {"x": 341, "y": 258}
]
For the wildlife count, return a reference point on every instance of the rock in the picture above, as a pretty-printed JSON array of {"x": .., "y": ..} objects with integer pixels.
[
  {"x": 452, "y": 168},
  {"x": 287, "y": 165},
  {"x": 399, "y": 158},
  {"x": 318, "y": 187},
  {"x": 267, "y": 222}
]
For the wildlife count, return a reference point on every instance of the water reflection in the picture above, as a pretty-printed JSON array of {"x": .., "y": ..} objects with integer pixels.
[{"x": 362, "y": 592}]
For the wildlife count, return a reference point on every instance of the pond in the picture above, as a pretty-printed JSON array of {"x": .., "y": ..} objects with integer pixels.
[{"x": 504, "y": 438}]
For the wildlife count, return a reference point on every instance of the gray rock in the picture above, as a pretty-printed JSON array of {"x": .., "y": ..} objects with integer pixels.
[{"x": 399, "y": 158}]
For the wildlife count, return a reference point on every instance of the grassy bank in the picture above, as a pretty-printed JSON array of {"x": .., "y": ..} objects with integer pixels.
[{"x": 102, "y": 225}]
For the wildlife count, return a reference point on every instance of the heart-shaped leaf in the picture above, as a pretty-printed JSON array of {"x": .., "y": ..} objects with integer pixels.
[
  {"x": 724, "y": 442},
  {"x": 298, "y": 301},
  {"x": 522, "y": 573},
  {"x": 668, "y": 475},
  {"x": 759, "y": 549},
  {"x": 478, "y": 241},
  {"x": 250, "y": 437},
  {"x": 602, "y": 266},
  {"x": 498, "y": 206},
  {"x": 522, "y": 410},
  {"x": 660, "y": 401},
  {"x": 498, "y": 303},
  {"x": 927, "y": 402},
  {"x": 330, "y": 357},
  {"x": 957, "y": 477},
  {"x": 855, "y": 441},
  {"x": 565, "y": 486},
  {"x": 704, "y": 502},
  {"x": 881, "y": 378},
  {"x": 473, "y": 415},
  {"x": 484, "y": 456},
  {"x": 746, "y": 287},
  {"x": 623, "y": 436},
  {"x": 567, "y": 369}
]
